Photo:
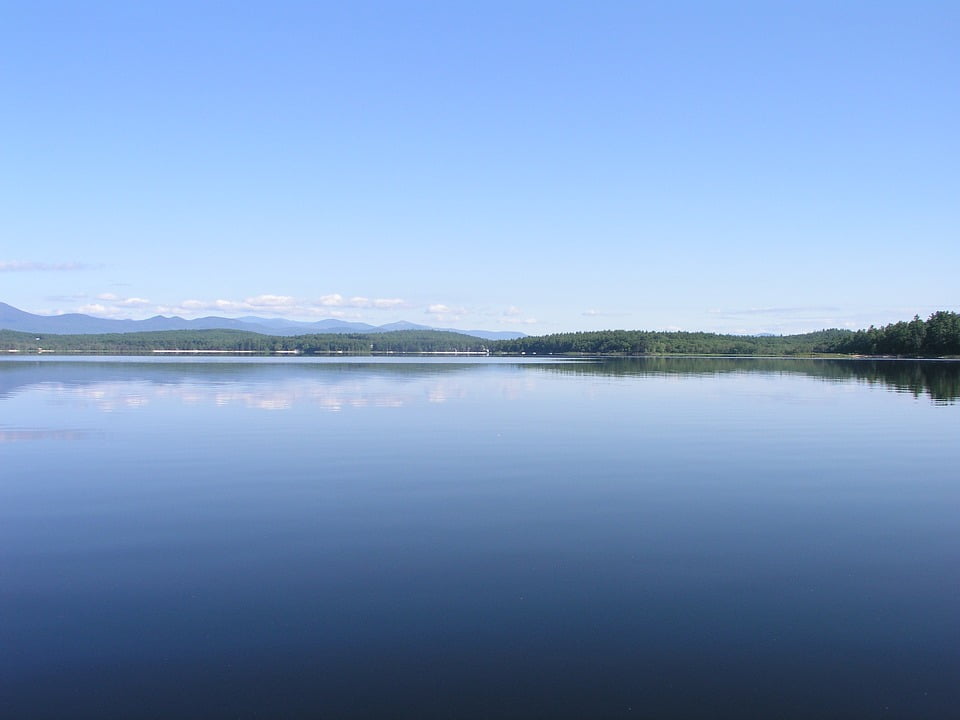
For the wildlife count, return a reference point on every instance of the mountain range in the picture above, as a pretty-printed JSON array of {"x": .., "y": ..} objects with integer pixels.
[{"x": 12, "y": 318}]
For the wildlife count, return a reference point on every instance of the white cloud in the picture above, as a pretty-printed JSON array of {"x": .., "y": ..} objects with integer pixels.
[
  {"x": 777, "y": 311},
  {"x": 600, "y": 313},
  {"x": 515, "y": 316},
  {"x": 112, "y": 306},
  {"x": 27, "y": 266},
  {"x": 440, "y": 309},
  {"x": 93, "y": 309},
  {"x": 445, "y": 313},
  {"x": 194, "y": 304},
  {"x": 358, "y": 301},
  {"x": 333, "y": 305},
  {"x": 104, "y": 311},
  {"x": 271, "y": 301},
  {"x": 109, "y": 304},
  {"x": 388, "y": 303},
  {"x": 257, "y": 302}
]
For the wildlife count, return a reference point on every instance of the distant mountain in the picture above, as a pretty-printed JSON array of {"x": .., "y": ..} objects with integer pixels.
[
  {"x": 490, "y": 334},
  {"x": 403, "y": 325},
  {"x": 12, "y": 318}
]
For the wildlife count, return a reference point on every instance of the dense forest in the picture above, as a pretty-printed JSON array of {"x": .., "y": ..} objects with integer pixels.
[
  {"x": 240, "y": 341},
  {"x": 640, "y": 342},
  {"x": 938, "y": 336}
]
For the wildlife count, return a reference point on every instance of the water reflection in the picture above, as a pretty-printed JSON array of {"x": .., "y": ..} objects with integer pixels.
[
  {"x": 124, "y": 386},
  {"x": 937, "y": 379},
  {"x": 118, "y": 395},
  {"x": 334, "y": 386}
]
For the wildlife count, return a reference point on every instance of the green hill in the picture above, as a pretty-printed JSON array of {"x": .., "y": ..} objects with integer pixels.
[{"x": 938, "y": 336}]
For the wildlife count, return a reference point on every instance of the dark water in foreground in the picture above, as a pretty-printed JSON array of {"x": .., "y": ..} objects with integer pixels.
[{"x": 633, "y": 539}]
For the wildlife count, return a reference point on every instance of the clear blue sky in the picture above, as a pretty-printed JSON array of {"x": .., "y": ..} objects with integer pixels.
[{"x": 541, "y": 166}]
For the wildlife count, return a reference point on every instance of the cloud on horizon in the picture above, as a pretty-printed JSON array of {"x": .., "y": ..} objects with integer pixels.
[
  {"x": 115, "y": 307},
  {"x": 789, "y": 320},
  {"x": 515, "y": 316},
  {"x": 440, "y": 312},
  {"x": 29, "y": 266},
  {"x": 112, "y": 305},
  {"x": 334, "y": 305},
  {"x": 601, "y": 313},
  {"x": 358, "y": 301},
  {"x": 801, "y": 310},
  {"x": 133, "y": 302}
]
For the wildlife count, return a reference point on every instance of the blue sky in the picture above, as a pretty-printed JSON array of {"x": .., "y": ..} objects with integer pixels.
[{"x": 540, "y": 166}]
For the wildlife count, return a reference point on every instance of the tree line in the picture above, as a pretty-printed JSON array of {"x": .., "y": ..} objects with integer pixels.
[
  {"x": 643, "y": 342},
  {"x": 938, "y": 336},
  {"x": 241, "y": 341}
]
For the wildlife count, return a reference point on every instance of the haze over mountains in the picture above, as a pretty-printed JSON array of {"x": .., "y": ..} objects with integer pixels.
[{"x": 12, "y": 318}]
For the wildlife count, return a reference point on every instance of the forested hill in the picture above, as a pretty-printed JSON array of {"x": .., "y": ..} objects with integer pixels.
[
  {"x": 240, "y": 341},
  {"x": 638, "y": 342},
  {"x": 938, "y": 336}
]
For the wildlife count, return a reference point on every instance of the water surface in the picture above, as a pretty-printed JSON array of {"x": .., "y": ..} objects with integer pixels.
[{"x": 479, "y": 539}]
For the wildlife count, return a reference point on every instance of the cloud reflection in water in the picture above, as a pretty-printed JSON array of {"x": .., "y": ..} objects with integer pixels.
[{"x": 113, "y": 396}]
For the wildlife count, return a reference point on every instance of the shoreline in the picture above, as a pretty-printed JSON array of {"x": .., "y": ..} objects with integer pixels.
[{"x": 454, "y": 353}]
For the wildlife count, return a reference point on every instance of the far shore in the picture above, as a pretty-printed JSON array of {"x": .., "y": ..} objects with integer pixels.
[{"x": 468, "y": 353}]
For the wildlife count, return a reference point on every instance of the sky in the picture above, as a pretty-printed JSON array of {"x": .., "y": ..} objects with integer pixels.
[{"x": 535, "y": 166}]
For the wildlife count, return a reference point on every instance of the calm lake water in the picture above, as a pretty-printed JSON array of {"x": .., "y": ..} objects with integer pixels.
[{"x": 479, "y": 539}]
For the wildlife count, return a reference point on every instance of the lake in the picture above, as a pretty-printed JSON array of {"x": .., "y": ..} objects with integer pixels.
[{"x": 479, "y": 538}]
